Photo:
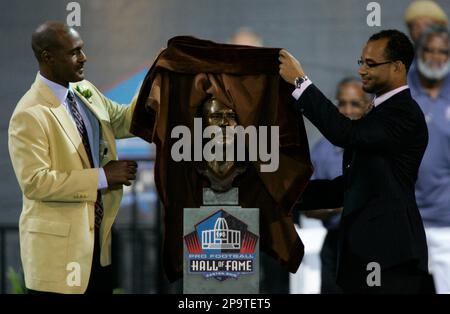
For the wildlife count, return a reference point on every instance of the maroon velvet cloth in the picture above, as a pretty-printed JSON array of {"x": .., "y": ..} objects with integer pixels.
[{"x": 184, "y": 75}]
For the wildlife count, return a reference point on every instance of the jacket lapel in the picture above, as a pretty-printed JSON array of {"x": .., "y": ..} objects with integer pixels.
[
  {"x": 89, "y": 105},
  {"x": 61, "y": 114},
  {"x": 71, "y": 130}
]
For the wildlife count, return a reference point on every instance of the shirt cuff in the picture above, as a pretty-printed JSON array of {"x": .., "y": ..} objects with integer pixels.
[
  {"x": 297, "y": 93},
  {"x": 102, "y": 181}
]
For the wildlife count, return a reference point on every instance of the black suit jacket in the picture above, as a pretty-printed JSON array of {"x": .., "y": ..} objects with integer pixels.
[{"x": 383, "y": 150}]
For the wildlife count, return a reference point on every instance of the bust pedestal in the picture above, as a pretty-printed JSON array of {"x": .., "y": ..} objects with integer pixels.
[{"x": 221, "y": 245}]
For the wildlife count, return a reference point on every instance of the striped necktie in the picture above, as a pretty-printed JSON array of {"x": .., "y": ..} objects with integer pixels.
[{"x": 85, "y": 139}]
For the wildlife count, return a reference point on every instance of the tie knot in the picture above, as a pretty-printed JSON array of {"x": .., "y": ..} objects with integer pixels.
[{"x": 70, "y": 96}]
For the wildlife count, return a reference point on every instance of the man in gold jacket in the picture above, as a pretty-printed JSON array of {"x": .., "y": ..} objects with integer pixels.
[{"x": 62, "y": 146}]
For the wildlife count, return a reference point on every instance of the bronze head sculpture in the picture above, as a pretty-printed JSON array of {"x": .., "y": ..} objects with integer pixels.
[{"x": 221, "y": 173}]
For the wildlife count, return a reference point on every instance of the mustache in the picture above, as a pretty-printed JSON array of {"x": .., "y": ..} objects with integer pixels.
[
  {"x": 433, "y": 70},
  {"x": 435, "y": 64}
]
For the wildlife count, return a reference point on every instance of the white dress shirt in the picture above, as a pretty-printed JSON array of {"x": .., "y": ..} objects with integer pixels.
[
  {"x": 386, "y": 96},
  {"x": 61, "y": 93},
  {"x": 297, "y": 93}
]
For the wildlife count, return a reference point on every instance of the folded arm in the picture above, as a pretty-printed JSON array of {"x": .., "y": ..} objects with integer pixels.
[
  {"x": 120, "y": 115},
  {"x": 380, "y": 131},
  {"x": 386, "y": 130},
  {"x": 29, "y": 151}
]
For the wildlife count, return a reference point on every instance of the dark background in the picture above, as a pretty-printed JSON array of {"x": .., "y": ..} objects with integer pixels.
[{"x": 122, "y": 36}]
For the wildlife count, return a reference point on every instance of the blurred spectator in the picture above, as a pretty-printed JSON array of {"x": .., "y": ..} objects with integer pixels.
[
  {"x": 353, "y": 102},
  {"x": 421, "y": 14},
  {"x": 429, "y": 82},
  {"x": 245, "y": 36}
]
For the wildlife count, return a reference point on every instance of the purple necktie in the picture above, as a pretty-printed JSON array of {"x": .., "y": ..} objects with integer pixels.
[{"x": 84, "y": 137}]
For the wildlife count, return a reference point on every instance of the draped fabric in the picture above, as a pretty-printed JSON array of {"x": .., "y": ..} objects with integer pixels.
[{"x": 246, "y": 79}]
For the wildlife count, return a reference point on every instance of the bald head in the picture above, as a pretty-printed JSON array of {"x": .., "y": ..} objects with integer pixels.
[
  {"x": 48, "y": 37},
  {"x": 59, "y": 51},
  {"x": 245, "y": 36}
]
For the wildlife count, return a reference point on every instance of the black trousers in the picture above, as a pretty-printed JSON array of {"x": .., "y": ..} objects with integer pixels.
[
  {"x": 404, "y": 278},
  {"x": 328, "y": 260},
  {"x": 101, "y": 278}
]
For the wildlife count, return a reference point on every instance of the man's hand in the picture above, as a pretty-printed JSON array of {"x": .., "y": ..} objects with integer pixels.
[
  {"x": 290, "y": 68},
  {"x": 119, "y": 172}
]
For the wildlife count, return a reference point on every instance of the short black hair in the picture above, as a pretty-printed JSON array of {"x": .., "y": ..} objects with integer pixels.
[
  {"x": 398, "y": 47},
  {"x": 47, "y": 37}
]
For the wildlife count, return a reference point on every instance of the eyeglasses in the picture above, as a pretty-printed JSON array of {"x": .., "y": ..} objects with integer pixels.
[{"x": 370, "y": 65}]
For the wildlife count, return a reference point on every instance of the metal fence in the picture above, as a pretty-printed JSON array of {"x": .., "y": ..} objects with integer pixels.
[
  {"x": 136, "y": 257},
  {"x": 137, "y": 246}
]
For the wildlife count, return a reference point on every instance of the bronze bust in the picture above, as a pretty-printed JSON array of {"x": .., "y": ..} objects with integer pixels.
[{"x": 220, "y": 173}]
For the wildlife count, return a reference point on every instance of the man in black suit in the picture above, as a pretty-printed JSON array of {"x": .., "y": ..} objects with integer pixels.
[{"x": 383, "y": 150}]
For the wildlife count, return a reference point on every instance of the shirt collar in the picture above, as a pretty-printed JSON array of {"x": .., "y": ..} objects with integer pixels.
[
  {"x": 59, "y": 90},
  {"x": 378, "y": 100}
]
